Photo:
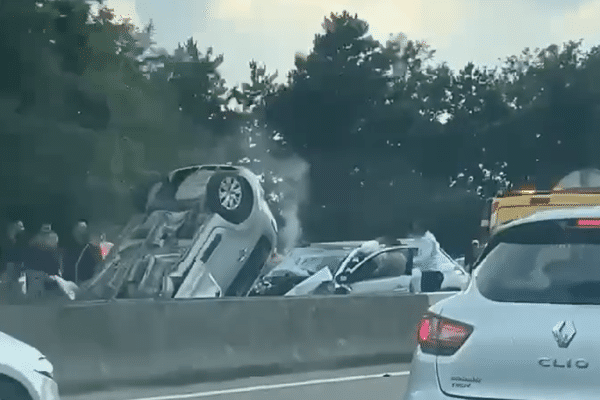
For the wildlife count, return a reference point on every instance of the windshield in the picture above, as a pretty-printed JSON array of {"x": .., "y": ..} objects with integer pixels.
[
  {"x": 386, "y": 264},
  {"x": 308, "y": 265},
  {"x": 545, "y": 262}
]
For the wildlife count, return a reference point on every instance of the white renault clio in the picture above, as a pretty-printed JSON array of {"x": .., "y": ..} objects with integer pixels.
[
  {"x": 25, "y": 373},
  {"x": 528, "y": 325}
]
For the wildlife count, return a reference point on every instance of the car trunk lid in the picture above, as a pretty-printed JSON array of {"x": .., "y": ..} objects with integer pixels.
[{"x": 533, "y": 351}]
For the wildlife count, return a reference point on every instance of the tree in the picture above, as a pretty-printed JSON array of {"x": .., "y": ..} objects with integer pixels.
[
  {"x": 198, "y": 83},
  {"x": 332, "y": 89}
]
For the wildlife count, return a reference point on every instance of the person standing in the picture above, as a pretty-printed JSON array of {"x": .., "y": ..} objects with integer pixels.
[
  {"x": 12, "y": 260},
  {"x": 81, "y": 255},
  {"x": 429, "y": 262},
  {"x": 43, "y": 254},
  {"x": 14, "y": 251},
  {"x": 426, "y": 243}
]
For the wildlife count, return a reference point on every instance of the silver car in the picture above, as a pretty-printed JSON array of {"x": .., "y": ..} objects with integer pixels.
[
  {"x": 207, "y": 232},
  {"x": 370, "y": 268},
  {"x": 527, "y": 325}
]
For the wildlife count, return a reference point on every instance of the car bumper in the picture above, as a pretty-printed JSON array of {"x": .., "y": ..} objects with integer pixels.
[{"x": 422, "y": 381}]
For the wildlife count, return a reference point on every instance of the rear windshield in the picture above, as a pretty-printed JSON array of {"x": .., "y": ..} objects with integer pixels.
[{"x": 544, "y": 262}]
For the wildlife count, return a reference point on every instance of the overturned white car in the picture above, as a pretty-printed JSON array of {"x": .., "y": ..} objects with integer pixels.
[{"x": 207, "y": 232}]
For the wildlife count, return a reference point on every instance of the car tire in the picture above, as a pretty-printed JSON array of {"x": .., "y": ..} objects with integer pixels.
[
  {"x": 230, "y": 195},
  {"x": 244, "y": 280},
  {"x": 13, "y": 390}
]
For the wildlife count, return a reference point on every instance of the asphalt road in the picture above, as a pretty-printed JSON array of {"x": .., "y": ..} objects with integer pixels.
[{"x": 378, "y": 382}]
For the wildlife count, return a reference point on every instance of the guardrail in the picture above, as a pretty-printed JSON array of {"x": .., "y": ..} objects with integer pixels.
[{"x": 105, "y": 344}]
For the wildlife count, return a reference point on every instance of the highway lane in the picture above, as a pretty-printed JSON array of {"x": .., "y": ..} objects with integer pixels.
[{"x": 375, "y": 382}]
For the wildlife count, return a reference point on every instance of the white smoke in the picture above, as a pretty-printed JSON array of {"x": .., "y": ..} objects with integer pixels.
[
  {"x": 290, "y": 192},
  {"x": 285, "y": 181}
]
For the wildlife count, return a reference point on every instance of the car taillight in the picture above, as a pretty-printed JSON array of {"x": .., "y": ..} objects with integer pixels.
[
  {"x": 441, "y": 336},
  {"x": 595, "y": 223}
]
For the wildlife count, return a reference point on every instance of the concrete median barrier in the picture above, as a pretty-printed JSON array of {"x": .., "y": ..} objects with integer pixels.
[{"x": 98, "y": 345}]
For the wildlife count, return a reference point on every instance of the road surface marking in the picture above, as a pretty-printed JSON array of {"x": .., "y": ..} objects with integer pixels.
[{"x": 276, "y": 386}]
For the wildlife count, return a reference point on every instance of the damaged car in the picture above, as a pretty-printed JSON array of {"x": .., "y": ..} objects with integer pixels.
[
  {"x": 375, "y": 268},
  {"x": 207, "y": 232},
  {"x": 299, "y": 264},
  {"x": 370, "y": 268}
]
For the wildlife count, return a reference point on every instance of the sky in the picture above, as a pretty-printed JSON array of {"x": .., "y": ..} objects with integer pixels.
[{"x": 273, "y": 31}]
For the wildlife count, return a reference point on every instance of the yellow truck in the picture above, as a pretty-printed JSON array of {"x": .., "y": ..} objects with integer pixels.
[
  {"x": 511, "y": 205},
  {"x": 580, "y": 188},
  {"x": 522, "y": 203}
]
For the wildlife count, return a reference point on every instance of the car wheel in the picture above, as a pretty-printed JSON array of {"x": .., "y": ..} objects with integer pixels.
[
  {"x": 247, "y": 276},
  {"x": 230, "y": 195},
  {"x": 12, "y": 390}
]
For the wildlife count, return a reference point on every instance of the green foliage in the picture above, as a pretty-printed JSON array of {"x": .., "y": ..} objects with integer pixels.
[
  {"x": 94, "y": 92},
  {"x": 334, "y": 88}
]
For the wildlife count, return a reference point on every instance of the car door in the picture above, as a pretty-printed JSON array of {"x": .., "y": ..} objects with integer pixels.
[{"x": 384, "y": 271}]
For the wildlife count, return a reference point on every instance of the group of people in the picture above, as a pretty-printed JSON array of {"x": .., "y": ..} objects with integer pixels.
[{"x": 74, "y": 259}]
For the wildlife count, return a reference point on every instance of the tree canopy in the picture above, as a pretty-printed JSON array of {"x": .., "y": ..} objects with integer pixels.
[{"x": 91, "y": 108}]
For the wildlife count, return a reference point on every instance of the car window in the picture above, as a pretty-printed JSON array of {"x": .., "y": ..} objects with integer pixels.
[
  {"x": 310, "y": 264},
  {"x": 193, "y": 186},
  {"x": 180, "y": 175},
  {"x": 384, "y": 265},
  {"x": 544, "y": 262},
  {"x": 317, "y": 263}
]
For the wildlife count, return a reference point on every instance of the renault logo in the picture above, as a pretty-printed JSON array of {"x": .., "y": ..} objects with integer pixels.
[{"x": 564, "y": 332}]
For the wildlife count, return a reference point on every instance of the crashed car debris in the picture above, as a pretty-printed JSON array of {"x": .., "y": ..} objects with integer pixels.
[
  {"x": 299, "y": 264},
  {"x": 207, "y": 232}
]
